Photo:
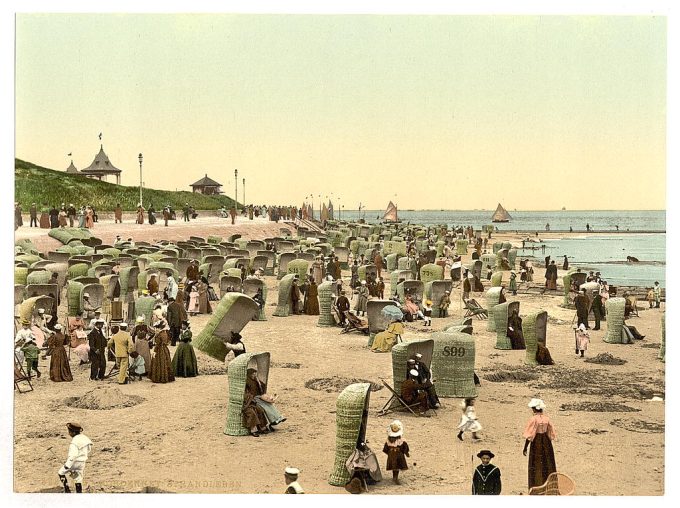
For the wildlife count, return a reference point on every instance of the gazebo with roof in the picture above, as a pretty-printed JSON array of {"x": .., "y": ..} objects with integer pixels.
[
  {"x": 206, "y": 185},
  {"x": 101, "y": 167}
]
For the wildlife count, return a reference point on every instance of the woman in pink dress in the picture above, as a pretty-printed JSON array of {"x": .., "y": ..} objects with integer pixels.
[{"x": 540, "y": 433}]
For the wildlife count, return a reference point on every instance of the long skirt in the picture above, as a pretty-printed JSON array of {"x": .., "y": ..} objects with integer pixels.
[
  {"x": 44, "y": 221},
  {"x": 142, "y": 348},
  {"x": 161, "y": 365},
  {"x": 383, "y": 342},
  {"x": 270, "y": 411},
  {"x": 184, "y": 362},
  {"x": 541, "y": 460},
  {"x": 60, "y": 370}
]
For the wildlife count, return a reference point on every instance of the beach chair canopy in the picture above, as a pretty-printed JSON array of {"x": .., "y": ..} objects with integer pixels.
[{"x": 237, "y": 375}]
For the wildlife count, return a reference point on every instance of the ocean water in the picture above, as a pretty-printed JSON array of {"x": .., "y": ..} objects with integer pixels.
[{"x": 605, "y": 253}]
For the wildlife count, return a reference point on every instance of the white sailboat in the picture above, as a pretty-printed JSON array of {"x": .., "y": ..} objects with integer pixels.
[{"x": 391, "y": 213}]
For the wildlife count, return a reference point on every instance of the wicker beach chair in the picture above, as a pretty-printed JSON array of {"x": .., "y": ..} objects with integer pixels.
[
  {"x": 285, "y": 303},
  {"x": 351, "y": 419},
  {"x": 401, "y": 353},
  {"x": 501, "y": 315},
  {"x": 284, "y": 259},
  {"x": 377, "y": 321},
  {"x": 431, "y": 272},
  {"x": 497, "y": 279},
  {"x": 227, "y": 281},
  {"x": 557, "y": 484},
  {"x": 453, "y": 364},
  {"x": 236, "y": 373},
  {"x": 233, "y": 312},
  {"x": 250, "y": 288},
  {"x": 535, "y": 330},
  {"x": 28, "y": 309},
  {"x": 615, "y": 308},
  {"x": 493, "y": 296}
]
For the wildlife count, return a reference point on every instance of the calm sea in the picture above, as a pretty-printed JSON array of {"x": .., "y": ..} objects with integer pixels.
[{"x": 605, "y": 253}]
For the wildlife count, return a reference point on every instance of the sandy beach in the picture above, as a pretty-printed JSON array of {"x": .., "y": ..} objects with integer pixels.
[{"x": 169, "y": 437}]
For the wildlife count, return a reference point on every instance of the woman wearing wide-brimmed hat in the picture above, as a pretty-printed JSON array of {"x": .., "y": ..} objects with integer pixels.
[
  {"x": 540, "y": 433},
  {"x": 396, "y": 449}
]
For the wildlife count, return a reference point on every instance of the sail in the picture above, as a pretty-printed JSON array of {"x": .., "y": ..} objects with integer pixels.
[
  {"x": 324, "y": 213},
  {"x": 500, "y": 215},
  {"x": 330, "y": 210},
  {"x": 310, "y": 212},
  {"x": 391, "y": 213}
]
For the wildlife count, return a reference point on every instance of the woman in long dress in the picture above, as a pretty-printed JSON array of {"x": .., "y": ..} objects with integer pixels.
[
  {"x": 140, "y": 337},
  {"x": 140, "y": 214},
  {"x": 184, "y": 362},
  {"x": 60, "y": 370},
  {"x": 258, "y": 391},
  {"x": 362, "y": 298},
  {"x": 312, "y": 299},
  {"x": 89, "y": 218},
  {"x": 384, "y": 341},
  {"x": 81, "y": 217},
  {"x": 161, "y": 364},
  {"x": 193, "y": 301},
  {"x": 539, "y": 433}
]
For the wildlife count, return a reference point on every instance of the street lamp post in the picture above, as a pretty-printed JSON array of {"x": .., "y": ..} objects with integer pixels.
[
  {"x": 141, "y": 157},
  {"x": 236, "y": 189}
]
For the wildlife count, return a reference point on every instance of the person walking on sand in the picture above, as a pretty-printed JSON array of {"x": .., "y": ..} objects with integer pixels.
[
  {"x": 78, "y": 452},
  {"x": 565, "y": 264},
  {"x": 396, "y": 449},
  {"x": 582, "y": 305},
  {"x": 539, "y": 433},
  {"x": 657, "y": 294},
  {"x": 468, "y": 420},
  {"x": 582, "y": 339}
]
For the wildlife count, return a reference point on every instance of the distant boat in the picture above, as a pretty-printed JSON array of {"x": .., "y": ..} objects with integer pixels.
[
  {"x": 501, "y": 215},
  {"x": 391, "y": 213},
  {"x": 563, "y": 209}
]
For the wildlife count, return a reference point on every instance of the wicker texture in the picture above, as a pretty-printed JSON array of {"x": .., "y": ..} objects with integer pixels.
[
  {"x": 512, "y": 257},
  {"x": 20, "y": 275},
  {"x": 214, "y": 239},
  {"x": 497, "y": 279},
  {"x": 299, "y": 267},
  {"x": 233, "y": 312},
  {"x": 250, "y": 287},
  {"x": 615, "y": 308},
  {"x": 38, "y": 277},
  {"x": 430, "y": 272},
  {"x": 497, "y": 246},
  {"x": 461, "y": 247},
  {"x": 144, "y": 306},
  {"x": 391, "y": 261},
  {"x": 493, "y": 295},
  {"x": 284, "y": 259},
  {"x": 78, "y": 270},
  {"x": 128, "y": 280},
  {"x": 283, "y": 307},
  {"x": 501, "y": 312},
  {"x": 236, "y": 373},
  {"x": 404, "y": 351},
  {"x": 74, "y": 297},
  {"x": 414, "y": 287},
  {"x": 435, "y": 291},
  {"x": 29, "y": 307},
  {"x": 530, "y": 325},
  {"x": 566, "y": 283},
  {"x": 326, "y": 292},
  {"x": 351, "y": 411},
  {"x": 453, "y": 364}
]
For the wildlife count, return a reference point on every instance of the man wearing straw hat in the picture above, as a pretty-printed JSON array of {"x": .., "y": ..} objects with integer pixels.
[
  {"x": 78, "y": 451},
  {"x": 122, "y": 345},
  {"x": 291, "y": 477}
]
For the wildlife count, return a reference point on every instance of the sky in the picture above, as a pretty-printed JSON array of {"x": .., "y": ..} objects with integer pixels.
[{"x": 429, "y": 111}]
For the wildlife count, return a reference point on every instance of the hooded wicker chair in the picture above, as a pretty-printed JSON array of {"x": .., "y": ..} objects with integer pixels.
[
  {"x": 414, "y": 287},
  {"x": 512, "y": 257},
  {"x": 488, "y": 259},
  {"x": 351, "y": 419},
  {"x": 534, "y": 327},
  {"x": 230, "y": 280},
  {"x": 250, "y": 287},
  {"x": 111, "y": 291},
  {"x": 28, "y": 309},
  {"x": 497, "y": 279},
  {"x": 20, "y": 275},
  {"x": 431, "y": 272},
  {"x": 461, "y": 247},
  {"x": 144, "y": 306},
  {"x": 232, "y": 314},
  {"x": 285, "y": 302},
  {"x": 501, "y": 255},
  {"x": 258, "y": 262},
  {"x": 326, "y": 291},
  {"x": 128, "y": 281},
  {"x": 453, "y": 364},
  {"x": 38, "y": 277},
  {"x": 493, "y": 295},
  {"x": 435, "y": 291},
  {"x": 78, "y": 270},
  {"x": 271, "y": 260},
  {"x": 237, "y": 374},
  {"x": 19, "y": 293},
  {"x": 501, "y": 314},
  {"x": 497, "y": 246},
  {"x": 615, "y": 313},
  {"x": 284, "y": 259},
  {"x": 401, "y": 353}
]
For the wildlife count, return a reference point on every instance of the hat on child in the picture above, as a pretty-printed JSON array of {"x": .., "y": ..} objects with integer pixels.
[
  {"x": 292, "y": 471},
  {"x": 74, "y": 426},
  {"x": 396, "y": 429},
  {"x": 537, "y": 404},
  {"x": 488, "y": 453}
]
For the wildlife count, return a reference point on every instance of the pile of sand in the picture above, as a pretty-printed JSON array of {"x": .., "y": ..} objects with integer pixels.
[
  {"x": 606, "y": 359},
  {"x": 104, "y": 397},
  {"x": 337, "y": 384}
]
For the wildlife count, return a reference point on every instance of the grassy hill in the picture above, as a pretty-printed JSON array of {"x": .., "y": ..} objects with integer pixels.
[{"x": 35, "y": 184}]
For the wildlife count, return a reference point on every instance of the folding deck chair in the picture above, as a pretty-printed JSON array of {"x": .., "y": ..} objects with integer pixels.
[
  {"x": 387, "y": 408},
  {"x": 20, "y": 376},
  {"x": 472, "y": 308},
  {"x": 355, "y": 323}
]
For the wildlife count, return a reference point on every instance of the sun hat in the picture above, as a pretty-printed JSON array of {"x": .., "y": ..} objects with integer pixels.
[
  {"x": 41, "y": 311},
  {"x": 292, "y": 471},
  {"x": 396, "y": 429},
  {"x": 485, "y": 452},
  {"x": 413, "y": 372},
  {"x": 25, "y": 322},
  {"x": 57, "y": 326},
  {"x": 123, "y": 324},
  {"x": 418, "y": 355},
  {"x": 536, "y": 404},
  {"x": 74, "y": 426},
  {"x": 86, "y": 295}
]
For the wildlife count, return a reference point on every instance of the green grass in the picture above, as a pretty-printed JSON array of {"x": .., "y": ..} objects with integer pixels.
[{"x": 35, "y": 184}]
